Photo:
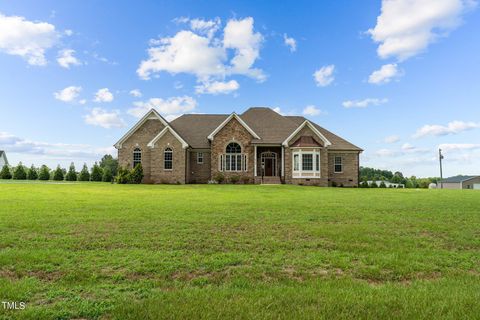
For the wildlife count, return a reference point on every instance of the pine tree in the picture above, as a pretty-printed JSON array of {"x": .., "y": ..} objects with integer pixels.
[
  {"x": 32, "y": 173},
  {"x": 20, "y": 173},
  {"x": 84, "y": 174},
  {"x": 107, "y": 175},
  {"x": 96, "y": 173},
  {"x": 58, "y": 174},
  {"x": 44, "y": 173},
  {"x": 5, "y": 173},
  {"x": 382, "y": 185},
  {"x": 136, "y": 175},
  {"x": 71, "y": 174}
]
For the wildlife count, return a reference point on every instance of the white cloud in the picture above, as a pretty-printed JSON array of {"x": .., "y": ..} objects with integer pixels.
[
  {"x": 171, "y": 106},
  {"x": 446, "y": 147},
  {"x": 66, "y": 58},
  {"x": 385, "y": 74},
  {"x": 278, "y": 110},
  {"x": 83, "y": 101},
  {"x": 312, "y": 110},
  {"x": 453, "y": 127},
  {"x": 385, "y": 153},
  {"x": 68, "y": 32},
  {"x": 406, "y": 27},
  {"x": 217, "y": 87},
  {"x": 103, "y": 95},
  {"x": 105, "y": 119},
  {"x": 290, "y": 42},
  {"x": 408, "y": 148},
  {"x": 135, "y": 93},
  {"x": 26, "y": 39},
  {"x": 172, "y": 117},
  {"x": 206, "y": 27},
  {"x": 324, "y": 76},
  {"x": 364, "y": 103},
  {"x": 69, "y": 94},
  {"x": 206, "y": 57},
  {"x": 391, "y": 139},
  {"x": 55, "y": 151}
]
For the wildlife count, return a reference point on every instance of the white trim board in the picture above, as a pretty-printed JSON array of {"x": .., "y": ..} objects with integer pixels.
[
  {"x": 152, "y": 114},
  {"x": 151, "y": 144},
  {"x": 224, "y": 123},
  {"x": 312, "y": 127}
]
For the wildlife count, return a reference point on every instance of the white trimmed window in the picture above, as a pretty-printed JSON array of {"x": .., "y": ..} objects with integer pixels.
[
  {"x": 338, "y": 165},
  {"x": 233, "y": 160},
  {"x": 137, "y": 157},
  {"x": 199, "y": 157},
  {"x": 168, "y": 159},
  {"x": 306, "y": 163}
]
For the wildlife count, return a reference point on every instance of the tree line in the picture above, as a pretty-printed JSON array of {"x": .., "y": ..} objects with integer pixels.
[
  {"x": 107, "y": 171},
  {"x": 372, "y": 174}
]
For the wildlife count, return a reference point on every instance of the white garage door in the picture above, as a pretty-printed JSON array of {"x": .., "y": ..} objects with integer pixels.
[{"x": 476, "y": 186}]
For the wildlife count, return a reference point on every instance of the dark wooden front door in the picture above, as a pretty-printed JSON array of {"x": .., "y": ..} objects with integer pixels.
[{"x": 268, "y": 167}]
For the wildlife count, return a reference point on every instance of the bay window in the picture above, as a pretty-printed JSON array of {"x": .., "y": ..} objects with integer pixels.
[{"x": 306, "y": 163}]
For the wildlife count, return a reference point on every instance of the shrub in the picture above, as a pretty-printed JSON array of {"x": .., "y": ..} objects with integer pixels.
[
  {"x": 373, "y": 184},
  {"x": 44, "y": 173},
  {"x": 334, "y": 184},
  {"x": 219, "y": 177},
  {"x": 245, "y": 180},
  {"x": 71, "y": 174},
  {"x": 382, "y": 185},
  {"x": 84, "y": 174},
  {"x": 96, "y": 173},
  {"x": 107, "y": 175},
  {"x": 364, "y": 184},
  {"x": 122, "y": 175},
  {"x": 20, "y": 173},
  {"x": 32, "y": 173},
  {"x": 58, "y": 174},
  {"x": 5, "y": 173},
  {"x": 390, "y": 186},
  {"x": 234, "y": 179},
  {"x": 136, "y": 175}
]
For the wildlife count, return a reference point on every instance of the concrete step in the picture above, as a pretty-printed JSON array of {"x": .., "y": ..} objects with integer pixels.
[{"x": 271, "y": 180}]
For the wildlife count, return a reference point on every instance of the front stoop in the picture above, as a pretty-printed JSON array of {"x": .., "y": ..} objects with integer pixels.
[{"x": 268, "y": 180}]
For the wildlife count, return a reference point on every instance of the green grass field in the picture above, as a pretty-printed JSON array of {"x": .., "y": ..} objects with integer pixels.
[{"x": 103, "y": 251}]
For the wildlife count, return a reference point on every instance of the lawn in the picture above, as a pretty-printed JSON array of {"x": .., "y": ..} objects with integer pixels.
[{"x": 103, "y": 251}]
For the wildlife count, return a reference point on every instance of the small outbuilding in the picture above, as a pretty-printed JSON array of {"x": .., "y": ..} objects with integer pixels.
[
  {"x": 461, "y": 182},
  {"x": 3, "y": 159}
]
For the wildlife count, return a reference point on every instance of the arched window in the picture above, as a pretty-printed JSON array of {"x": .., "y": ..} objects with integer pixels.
[
  {"x": 168, "y": 159},
  {"x": 137, "y": 157},
  {"x": 233, "y": 157}
]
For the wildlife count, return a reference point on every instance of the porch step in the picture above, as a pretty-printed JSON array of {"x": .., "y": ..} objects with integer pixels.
[{"x": 271, "y": 180}]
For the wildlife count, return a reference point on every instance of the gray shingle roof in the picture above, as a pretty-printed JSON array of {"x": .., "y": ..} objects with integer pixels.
[
  {"x": 458, "y": 179},
  {"x": 272, "y": 127}
]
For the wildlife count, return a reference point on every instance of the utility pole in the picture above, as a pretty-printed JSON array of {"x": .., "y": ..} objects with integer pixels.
[{"x": 440, "y": 157}]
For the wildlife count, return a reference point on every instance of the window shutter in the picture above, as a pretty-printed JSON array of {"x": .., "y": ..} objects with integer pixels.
[
  {"x": 220, "y": 162},
  {"x": 245, "y": 163}
]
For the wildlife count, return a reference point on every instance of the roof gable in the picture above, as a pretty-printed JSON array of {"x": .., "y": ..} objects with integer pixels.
[
  {"x": 151, "y": 144},
  {"x": 152, "y": 114},
  {"x": 230, "y": 117},
  {"x": 311, "y": 127},
  {"x": 458, "y": 179}
]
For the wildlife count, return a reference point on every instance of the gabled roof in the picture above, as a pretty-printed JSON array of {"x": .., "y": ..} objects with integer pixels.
[
  {"x": 458, "y": 179},
  {"x": 4, "y": 156},
  {"x": 273, "y": 128},
  {"x": 224, "y": 123},
  {"x": 152, "y": 114},
  {"x": 195, "y": 128},
  {"x": 151, "y": 144},
  {"x": 307, "y": 123}
]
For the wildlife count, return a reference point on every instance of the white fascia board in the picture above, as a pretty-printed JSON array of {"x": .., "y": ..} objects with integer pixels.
[
  {"x": 312, "y": 127},
  {"x": 233, "y": 115}
]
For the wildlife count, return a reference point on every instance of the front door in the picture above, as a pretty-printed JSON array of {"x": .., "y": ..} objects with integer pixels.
[{"x": 269, "y": 167}]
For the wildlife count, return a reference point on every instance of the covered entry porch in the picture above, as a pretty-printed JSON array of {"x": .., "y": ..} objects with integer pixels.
[{"x": 268, "y": 166}]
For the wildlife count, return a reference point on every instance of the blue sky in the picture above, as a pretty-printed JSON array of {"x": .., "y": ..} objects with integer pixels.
[{"x": 398, "y": 78}]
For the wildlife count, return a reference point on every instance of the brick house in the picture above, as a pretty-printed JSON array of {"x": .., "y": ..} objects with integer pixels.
[{"x": 257, "y": 146}]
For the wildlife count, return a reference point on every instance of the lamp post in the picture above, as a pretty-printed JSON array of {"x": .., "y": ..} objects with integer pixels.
[{"x": 440, "y": 158}]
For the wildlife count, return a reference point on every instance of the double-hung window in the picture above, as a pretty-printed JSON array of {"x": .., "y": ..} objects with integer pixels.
[
  {"x": 137, "y": 157},
  {"x": 199, "y": 157},
  {"x": 338, "y": 165}
]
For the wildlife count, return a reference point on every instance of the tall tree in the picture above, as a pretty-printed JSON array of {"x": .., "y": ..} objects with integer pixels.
[
  {"x": 20, "y": 173},
  {"x": 32, "y": 173},
  {"x": 84, "y": 174},
  {"x": 109, "y": 162},
  {"x": 44, "y": 173},
  {"x": 5, "y": 173},
  {"x": 71, "y": 174},
  {"x": 96, "y": 173},
  {"x": 58, "y": 174},
  {"x": 107, "y": 175}
]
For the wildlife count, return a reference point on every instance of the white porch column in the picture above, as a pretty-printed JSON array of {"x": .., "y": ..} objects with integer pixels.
[
  {"x": 255, "y": 162},
  {"x": 283, "y": 161}
]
